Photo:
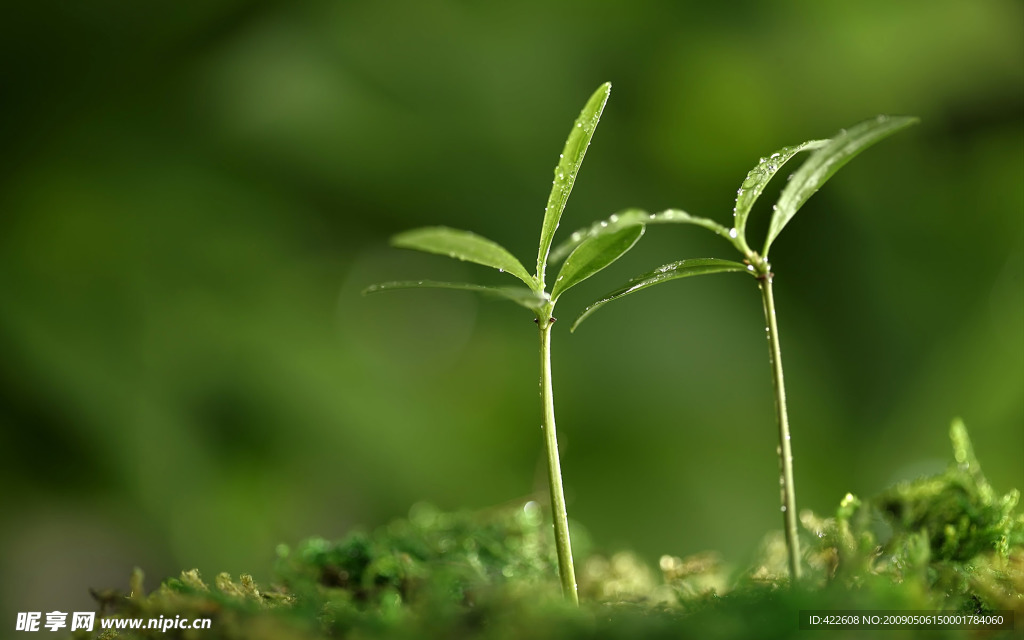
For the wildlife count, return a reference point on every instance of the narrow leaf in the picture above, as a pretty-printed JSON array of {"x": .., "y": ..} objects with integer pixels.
[
  {"x": 823, "y": 164},
  {"x": 629, "y": 218},
  {"x": 593, "y": 255},
  {"x": 520, "y": 295},
  {"x": 615, "y": 223},
  {"x": 673, "y": 271},
  {"x": 463, "y": 245},
  {"x": 677, "y": 216},
  {"x": 758, "y": 177},
  {"x": 568, "y": 166}
]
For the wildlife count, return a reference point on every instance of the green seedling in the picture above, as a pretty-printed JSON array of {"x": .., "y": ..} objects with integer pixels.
[
  {"x": 586, "y": 258},
  {"x": 827, "y": 157}
]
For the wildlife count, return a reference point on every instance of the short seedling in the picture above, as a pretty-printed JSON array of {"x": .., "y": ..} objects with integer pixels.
[
  {"x": 587, "y": 258},
  {"x": 828, "y": 157}
]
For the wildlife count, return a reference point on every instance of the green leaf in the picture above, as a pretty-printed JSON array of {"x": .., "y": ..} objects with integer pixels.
[
  {"x": 520, "y": 295},
  {"x": 615, "y": 223},
  {"x": 565, "y": 173},
  {"x": 629, "y": 218},
  {"x": 823, "y": 164},
  {"x": 758, "y": 177},
  {"x": 677, "y": 216},
  {"x": 463, "y": 245},
  {"x": 593, "y": 255},
  {"x": 672, "y": 271}
]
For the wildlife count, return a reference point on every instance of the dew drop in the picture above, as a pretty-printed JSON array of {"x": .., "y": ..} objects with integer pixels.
[
  {"x": 578, "y": 125},
  {"x": 614, "y": 218},
  {"x": 783, "y": 508},
  {"x": 733, "y": 233}
]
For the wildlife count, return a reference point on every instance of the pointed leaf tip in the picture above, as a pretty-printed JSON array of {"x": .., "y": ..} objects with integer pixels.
[{"x": 566, "y": 170}]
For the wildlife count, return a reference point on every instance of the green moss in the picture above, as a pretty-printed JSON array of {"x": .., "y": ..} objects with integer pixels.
[{"x": 946, "y": 542}]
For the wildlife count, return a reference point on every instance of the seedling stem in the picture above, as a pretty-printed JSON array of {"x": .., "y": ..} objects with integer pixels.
[
  {"x": 786, "y": 485},
  {"x": 559, "y": 515}
]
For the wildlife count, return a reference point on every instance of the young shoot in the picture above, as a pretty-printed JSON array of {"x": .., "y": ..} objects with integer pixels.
[
  {"x": 827, "y": 157},
  {"x": 586, "y": 258}
]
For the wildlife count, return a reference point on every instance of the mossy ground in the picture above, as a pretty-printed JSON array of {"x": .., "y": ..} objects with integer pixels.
[{"x": 947, "y": 542}]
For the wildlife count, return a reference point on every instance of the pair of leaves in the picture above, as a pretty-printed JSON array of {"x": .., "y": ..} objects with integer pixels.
[
  {"x": 585, "y": 259},
  {"x": 825, "y": 162},
  {"x": 827, "y": 158}
]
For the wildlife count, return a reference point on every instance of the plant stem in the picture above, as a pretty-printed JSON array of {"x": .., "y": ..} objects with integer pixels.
[
  {"x": 559, "y": 516},
  {"x": 785, "y": 451}
]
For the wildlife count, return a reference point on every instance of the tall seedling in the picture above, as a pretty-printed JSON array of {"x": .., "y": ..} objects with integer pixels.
[
  {"x": 827, "y": 157},
  {"x": 586, "y": 258}
]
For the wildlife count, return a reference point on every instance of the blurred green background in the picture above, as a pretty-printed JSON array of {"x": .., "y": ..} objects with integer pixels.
[{"x": 192, "y": 196}]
